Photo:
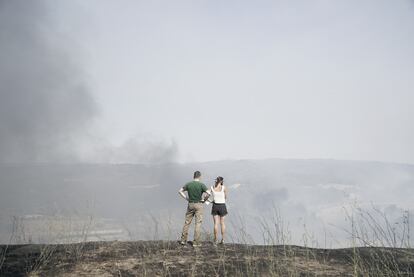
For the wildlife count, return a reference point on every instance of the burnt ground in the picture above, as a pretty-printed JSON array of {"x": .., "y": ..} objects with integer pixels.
[{"x": 166, "y": 258}]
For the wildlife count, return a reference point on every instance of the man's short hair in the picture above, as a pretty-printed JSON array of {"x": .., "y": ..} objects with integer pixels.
[{"x": 197, "y": 174}]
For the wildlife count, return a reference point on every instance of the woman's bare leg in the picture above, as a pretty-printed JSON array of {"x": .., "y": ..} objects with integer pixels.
[
  {"x": 216, "y": 224},
  {"x": 223, "y": 227}
]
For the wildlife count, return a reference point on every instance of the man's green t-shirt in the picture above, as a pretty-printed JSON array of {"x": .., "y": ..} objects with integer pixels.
[{"x": 195, "y": 190}]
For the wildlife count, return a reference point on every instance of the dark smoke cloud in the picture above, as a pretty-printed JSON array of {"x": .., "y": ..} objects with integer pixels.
[
  {"x": 45, "y": 104},
  {"x": 46, "y": 109}
]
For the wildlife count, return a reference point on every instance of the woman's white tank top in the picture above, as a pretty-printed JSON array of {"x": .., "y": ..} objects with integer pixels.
[{"x": 218, "y": 196}]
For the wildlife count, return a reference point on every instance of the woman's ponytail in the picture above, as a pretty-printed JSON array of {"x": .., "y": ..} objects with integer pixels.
[{"x": 219, "y": 180}]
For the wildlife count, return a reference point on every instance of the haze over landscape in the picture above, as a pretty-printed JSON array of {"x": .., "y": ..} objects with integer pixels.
[{"x": 107, "y": 107}]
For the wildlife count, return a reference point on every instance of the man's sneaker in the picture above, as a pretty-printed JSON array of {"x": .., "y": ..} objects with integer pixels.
[
  {"x": 215, "y": 243},
  {"x": 222, "y": 242},
  {"x": 183, "y": 242}
]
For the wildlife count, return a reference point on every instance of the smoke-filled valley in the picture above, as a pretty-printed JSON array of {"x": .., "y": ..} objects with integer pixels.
[{"x": 56, "y": 203}]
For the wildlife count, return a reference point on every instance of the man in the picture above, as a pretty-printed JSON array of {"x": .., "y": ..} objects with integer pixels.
[{"x": 195, "y": 190}]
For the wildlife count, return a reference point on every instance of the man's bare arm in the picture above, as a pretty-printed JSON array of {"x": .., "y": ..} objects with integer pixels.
[{"x": 181, "y": 192}]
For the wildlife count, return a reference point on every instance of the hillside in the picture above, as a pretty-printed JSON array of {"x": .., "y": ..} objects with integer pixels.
[{"x": 166, "y": 258}]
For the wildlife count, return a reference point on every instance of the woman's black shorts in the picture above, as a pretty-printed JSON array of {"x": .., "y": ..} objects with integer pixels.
[{"x": 219, "y": 209}]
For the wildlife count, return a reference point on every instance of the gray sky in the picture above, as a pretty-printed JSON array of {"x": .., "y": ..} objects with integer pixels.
[{"x": 247, "y": 79}]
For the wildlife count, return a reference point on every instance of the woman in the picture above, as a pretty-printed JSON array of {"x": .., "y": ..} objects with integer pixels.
[{"x": 219, "y": 210}]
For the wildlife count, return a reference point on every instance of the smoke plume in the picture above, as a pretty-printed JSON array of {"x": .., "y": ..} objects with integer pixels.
[{"x": 44, "y": 99}]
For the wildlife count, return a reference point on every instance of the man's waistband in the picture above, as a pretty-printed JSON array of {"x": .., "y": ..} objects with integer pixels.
[{"x": 194, "y": 202}]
